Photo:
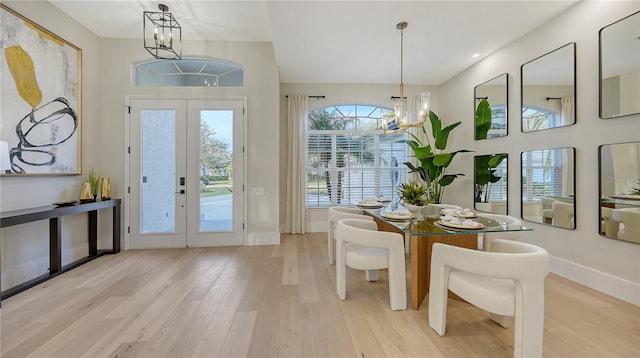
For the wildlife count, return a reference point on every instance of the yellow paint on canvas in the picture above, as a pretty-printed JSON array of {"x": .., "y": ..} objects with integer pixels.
[{"x": 24, "y": 75}]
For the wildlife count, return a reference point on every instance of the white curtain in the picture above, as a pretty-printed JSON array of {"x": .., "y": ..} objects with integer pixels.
[
  {"x": 567, "y": 171},
  {"x": 567, "y": 110},
  {"x": 296, "y": 211}
]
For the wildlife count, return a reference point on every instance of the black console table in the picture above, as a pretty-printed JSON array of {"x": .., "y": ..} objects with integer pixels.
[{"x": 55, "y": 214}]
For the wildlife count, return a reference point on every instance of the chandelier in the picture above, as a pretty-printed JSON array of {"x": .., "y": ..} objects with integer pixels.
[
  {"x": 399, "y": 122},
  {"x": 161, "y": 32}
]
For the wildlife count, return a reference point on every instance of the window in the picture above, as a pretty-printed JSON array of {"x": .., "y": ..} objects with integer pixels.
[
  {"x": 349, "y": 158},
  {"x": 498, "y": 121},
  {"x": 543, "y": 170},
  {"x": 195, "y": 72},
  {"x": 534, "y": 119},
  {"x": 498, "y": 190}
]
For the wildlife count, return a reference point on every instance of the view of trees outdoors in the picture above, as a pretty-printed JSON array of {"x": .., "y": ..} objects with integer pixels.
[
  {"x": 215, "y": 160},
  {"x": 348, "y": 157}
]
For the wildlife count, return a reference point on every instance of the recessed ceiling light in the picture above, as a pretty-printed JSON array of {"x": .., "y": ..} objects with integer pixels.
[{"x": 475, "y": 55}]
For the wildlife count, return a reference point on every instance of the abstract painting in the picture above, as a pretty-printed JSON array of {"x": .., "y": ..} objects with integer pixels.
[{"x": 41, "y": 98}]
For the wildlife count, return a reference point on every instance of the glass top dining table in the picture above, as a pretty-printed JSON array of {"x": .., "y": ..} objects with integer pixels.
[
  {"x": 429, "y": 222},
  {"x": 426, "y": 229}
]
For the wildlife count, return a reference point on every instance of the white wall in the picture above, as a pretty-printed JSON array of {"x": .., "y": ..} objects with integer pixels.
[
  {"x": 24, "y": 248},
  {"x": 582, "y": 255},
  {"x": 105, "y": 85}
]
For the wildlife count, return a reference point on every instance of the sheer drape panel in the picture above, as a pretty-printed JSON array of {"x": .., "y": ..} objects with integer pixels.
[
  {"x": 296, "y": 211},
  {"x": 567, "y": 110}
]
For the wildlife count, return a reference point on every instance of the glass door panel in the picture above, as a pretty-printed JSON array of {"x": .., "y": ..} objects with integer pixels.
[
  {"x": 215, "y": 165},
  {"x": 158, "y": 198},
  {"x": 216, "y": 192}
]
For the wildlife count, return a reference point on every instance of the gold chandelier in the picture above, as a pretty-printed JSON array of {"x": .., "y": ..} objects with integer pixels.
[{"x": 399, "y": 122}]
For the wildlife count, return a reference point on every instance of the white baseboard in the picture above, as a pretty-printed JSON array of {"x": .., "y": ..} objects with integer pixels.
[
  {"x": 38, "y": 266},
  {"x": 272, "y": 238},
  {"x": 613, "y": 286}
]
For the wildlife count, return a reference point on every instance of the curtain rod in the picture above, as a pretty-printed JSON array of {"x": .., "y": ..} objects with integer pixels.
[
  {"x": 487, "y": 97},
  {"x": 316, "y": 97},
  {"x": 398, "y": 97},
  {"x": 550, "y": 98}
]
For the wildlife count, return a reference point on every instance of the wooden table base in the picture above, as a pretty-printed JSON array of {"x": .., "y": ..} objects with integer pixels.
[
  {"x": 421, "y": 248},
  {"x": 420, "y": 251}
]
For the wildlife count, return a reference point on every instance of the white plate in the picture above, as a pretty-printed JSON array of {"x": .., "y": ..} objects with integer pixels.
[
  {"x": 460, "y": 226},
  {"x": 370, "y": 204},
  {"x": 397, "y": 217}
]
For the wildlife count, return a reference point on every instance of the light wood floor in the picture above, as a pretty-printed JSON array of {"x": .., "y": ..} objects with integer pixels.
[{"x": 267, "y": 301}]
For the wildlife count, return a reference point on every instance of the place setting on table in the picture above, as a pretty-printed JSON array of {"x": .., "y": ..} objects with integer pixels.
[
  {"x": 460, "y": 219},
  {"x": 374, "y": 203}
]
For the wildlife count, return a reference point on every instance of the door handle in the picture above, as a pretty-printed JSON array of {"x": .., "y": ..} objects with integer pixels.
[{"x": 182, "y": 191}]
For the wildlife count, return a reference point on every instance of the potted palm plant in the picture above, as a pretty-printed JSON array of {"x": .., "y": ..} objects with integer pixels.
[
  {"x": 483, "y": 119},
  {"x": 485, "y": 174},
  {"x": 433, "y": 159}
]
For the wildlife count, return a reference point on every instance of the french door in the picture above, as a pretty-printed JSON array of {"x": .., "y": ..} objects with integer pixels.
[{"x": 186, "y": 173}]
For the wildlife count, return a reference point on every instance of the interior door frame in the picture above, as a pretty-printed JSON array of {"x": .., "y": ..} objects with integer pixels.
[{"x": 126, "y": 208}]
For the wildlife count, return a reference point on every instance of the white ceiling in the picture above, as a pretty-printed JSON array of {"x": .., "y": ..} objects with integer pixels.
[{"x": 339, "y": 41}]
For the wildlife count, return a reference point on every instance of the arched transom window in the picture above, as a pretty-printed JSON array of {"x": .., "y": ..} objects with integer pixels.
[{"x": 194, "y": 72}]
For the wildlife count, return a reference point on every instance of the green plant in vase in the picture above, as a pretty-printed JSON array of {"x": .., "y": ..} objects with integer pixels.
[
  {"x": 433, "y": 159},
  {"x": 94, "y": 182},
  {"x": 413, "y": 193}
]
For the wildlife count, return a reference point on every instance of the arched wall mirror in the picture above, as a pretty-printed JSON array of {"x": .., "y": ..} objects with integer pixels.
[
  {"x": 491, "y": 183},
  {"x": 620, "y": 68},
  {"x": 620, "y": 191},
  {"x": 548, "y": 182},
  {"x": 549, "y": 90},
  {"x": 492, "y": 123}
]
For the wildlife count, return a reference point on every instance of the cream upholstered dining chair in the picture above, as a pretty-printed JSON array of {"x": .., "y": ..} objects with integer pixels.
[
  {"x": 608, "y": 226},
  {"x": 359, "y": 245},
  {"x": 563, "y": 215},
  {"x": 547, "y": 212},
  {"x": 508, "y": 281},
  {"x": 334, "y": 214},
  {"x": 488, "y": 237},
  {"x": 629, "y": 219}
]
